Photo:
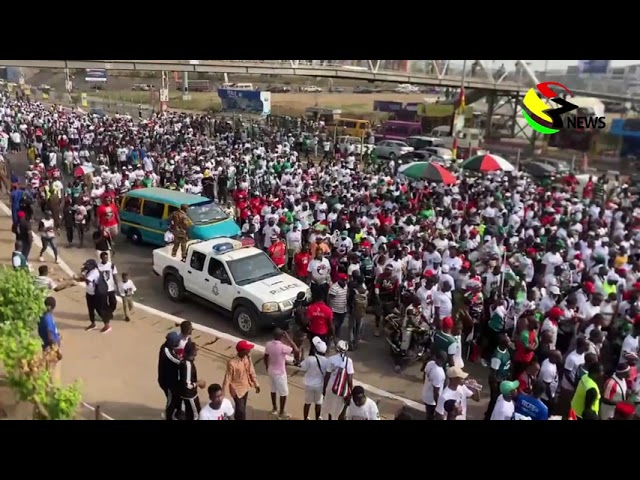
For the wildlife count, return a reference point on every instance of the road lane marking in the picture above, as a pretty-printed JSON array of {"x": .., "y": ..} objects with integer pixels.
[{"x": 216, "y": 333}]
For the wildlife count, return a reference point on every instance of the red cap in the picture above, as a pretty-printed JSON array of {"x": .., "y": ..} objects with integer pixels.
[
  {"x": 625, "y": 409},
  {"x": 366, "y": 244},
  {"x": 447, "y": 323},
  {"x": 577, "y": 255},
  {"x": 244, "y": 346},
  {"x": 342, "y": 276},
  {"x": 589, "y": 287},
  {"x": 429, "y": 273},
  {"x": 555, "y": 313}
]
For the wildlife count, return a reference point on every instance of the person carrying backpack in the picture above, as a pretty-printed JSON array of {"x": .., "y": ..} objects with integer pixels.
[
  {"x": 359, "y": 310},
  {"x": 96, "y": 294},
  {"x": 338, "y": 383}
]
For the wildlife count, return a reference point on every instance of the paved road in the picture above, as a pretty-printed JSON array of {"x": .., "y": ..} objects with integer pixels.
[
  {"x": 118, "y": 370},
  {"x": 372, "y": 361}
]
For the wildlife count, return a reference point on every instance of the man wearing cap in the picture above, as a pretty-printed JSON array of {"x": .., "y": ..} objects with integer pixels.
[
  {"x": 456, "y": 390},
  {"x": 338, "y": 382},
  {"x": 499, "y": 370},
  {"x": 240, "y": 377},
  {"x": 504, "y": 407},
  {"x": 168, "y": 363},
  {"x": 314, "y": 368},
  {"x": 444, "y": 342}
]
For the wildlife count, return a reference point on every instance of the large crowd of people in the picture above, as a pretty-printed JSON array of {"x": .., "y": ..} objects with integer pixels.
[{"x": 540, "y": 286}]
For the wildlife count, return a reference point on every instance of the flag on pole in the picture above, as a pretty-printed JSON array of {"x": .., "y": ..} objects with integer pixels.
[
  {"x": 454, "y": 147},
  {"x": 461, "y": 102}
]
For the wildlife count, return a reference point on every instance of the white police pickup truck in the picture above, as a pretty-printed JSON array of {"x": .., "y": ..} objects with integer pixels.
[{"x": 237, "y": 279}]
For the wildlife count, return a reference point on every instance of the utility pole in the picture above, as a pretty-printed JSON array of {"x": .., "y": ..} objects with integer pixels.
[
  {"x": 164, "y": 92},
  {"x": 185, "y": 86}
]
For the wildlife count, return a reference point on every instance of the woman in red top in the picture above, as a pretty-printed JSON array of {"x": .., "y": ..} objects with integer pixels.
[{"x": 526, "y": 343}]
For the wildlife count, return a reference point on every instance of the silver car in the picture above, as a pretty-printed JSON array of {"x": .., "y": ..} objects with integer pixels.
[{"x": 392, "y": 149}]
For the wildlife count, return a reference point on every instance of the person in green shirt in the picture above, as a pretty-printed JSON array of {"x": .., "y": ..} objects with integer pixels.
[
  {"x": 147, "y": 181},
  {"x": 499, "y": 371},
  {"x": 444, "y": 341}
]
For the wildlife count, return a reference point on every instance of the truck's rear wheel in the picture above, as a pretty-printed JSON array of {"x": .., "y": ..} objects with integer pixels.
[
  {"x": 244, "y": 321},
  {"x": 174, "y": 288}
]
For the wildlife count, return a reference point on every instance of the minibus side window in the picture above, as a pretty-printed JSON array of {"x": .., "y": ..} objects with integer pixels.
[
  {"x": 132, "y": 205},
  {"x": 152, "y": 209}
]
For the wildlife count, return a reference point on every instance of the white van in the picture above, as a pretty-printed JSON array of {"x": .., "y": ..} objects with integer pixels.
[{"x": 467, "y": 138}]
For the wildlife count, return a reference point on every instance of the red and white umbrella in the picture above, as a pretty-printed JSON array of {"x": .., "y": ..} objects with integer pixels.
[{"x": 487, "y": 163}]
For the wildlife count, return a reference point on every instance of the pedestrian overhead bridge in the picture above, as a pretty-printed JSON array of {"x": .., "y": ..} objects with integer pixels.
[
  {"x": 287, "y": 67},
  {"x": 482, "y": 79}
]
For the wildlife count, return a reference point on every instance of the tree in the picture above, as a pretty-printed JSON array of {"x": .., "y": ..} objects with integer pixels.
[{"x": 21, "y": 355}]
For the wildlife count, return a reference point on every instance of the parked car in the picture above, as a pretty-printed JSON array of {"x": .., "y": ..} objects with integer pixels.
[
  {"x": 561, "y": 167},
  {"x": 439, "y": 152},
  {"x": 392, "y": 149},
  {"x": 416, "y": 156},
  {"x": 142, "y": 87},
  {"x": 420, "y": 142},
  {"x": 538, "y": 169},
  {"x": 278, "y": 89},
  {"x": 310, "y": 89},
  {"x": 336, "y": 90},
  {"x": 361, "y": 89}
]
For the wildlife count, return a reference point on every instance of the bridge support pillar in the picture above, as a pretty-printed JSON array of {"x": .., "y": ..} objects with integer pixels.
[
  {"x": 491, "y": 104},
  {"x": 514, "y": 117}
]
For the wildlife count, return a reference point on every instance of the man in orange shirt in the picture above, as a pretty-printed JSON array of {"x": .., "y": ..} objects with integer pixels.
[
  {"x": 278, "y": 251},
  {"x": 240, "y": 377}
]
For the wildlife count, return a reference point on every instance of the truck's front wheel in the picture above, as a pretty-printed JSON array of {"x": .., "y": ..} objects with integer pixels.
[
  {"x": 244, "y": 321},
  {"x": 174, "y": 288}
]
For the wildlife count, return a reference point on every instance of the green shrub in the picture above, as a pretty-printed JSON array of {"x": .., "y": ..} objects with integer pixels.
[{"x": 21, "y": 355}]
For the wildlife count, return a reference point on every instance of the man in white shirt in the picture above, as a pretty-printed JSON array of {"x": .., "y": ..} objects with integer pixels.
[
  {"x": 549, "y": 375},
  {"x": 630, "y": 343},
  {"x": 109, "y": 271},
  {"x": 361, "y": 407},
  {"x": 504, "y": 407},
  {"x": 457, "y": 391},
  {"x": 434, "y": 380},
  {"x": 218, "y": 408},
  {"x": 551, "y": 260}
]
